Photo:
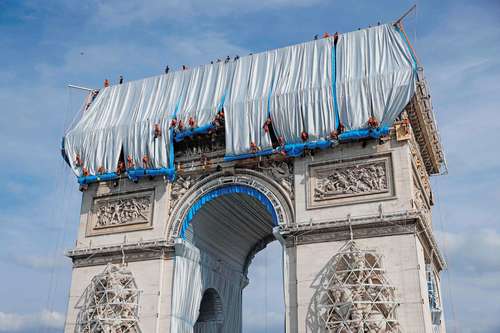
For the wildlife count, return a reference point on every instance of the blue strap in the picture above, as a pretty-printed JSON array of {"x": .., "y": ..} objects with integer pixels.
[{"x": 226, "y": 190}]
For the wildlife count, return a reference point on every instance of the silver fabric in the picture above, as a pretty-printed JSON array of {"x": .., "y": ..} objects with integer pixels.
[
  {"x": 375, "y": 76},
  {"x": 294, "y": 85},
  {"x": 194, "y": 274},
  {"x": 246, "y": 104},
  {"x": 301, "y": 100}
]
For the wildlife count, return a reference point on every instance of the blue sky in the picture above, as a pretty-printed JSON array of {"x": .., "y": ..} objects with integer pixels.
[{"x": 46, "y": 45}]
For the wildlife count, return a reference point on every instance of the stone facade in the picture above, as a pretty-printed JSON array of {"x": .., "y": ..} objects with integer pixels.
[{"x": 376, "y": 192}]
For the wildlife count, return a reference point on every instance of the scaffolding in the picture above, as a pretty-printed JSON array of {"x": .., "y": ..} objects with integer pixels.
[
  {"x": 358, "y": 297},
  {"x": 434, "y": 299},
  {"x": 110, "y": 303}
]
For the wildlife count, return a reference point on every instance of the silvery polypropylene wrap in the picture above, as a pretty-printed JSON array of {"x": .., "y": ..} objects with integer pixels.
[
  {"x": 373, "y": 70},
  {"x": 375, "y": 76},
  {"x": 301, "y": 99},
  {"x": 123, "y": 117},
  {"x": 194, "y": 273},
  {"x": 246, "y": 105},
  {"x": 205, "y": 89}
]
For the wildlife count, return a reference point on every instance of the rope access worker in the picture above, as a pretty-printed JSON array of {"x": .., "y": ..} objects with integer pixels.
[
  {"x": 167, "y": 69},
  {"x": 120, "y": 80}
]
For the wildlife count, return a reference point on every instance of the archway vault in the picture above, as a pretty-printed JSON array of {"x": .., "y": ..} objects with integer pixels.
[
  {"x": 278, "y": 198},
  {"x": 218, "y": 225}
]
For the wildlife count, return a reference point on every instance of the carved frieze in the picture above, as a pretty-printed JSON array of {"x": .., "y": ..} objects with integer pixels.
[
  {"x": 121, "y": 212},
  {"x": 281, "y": 172},
  {"x": 419, "y": 199},
  {"x": 179, "y": 187},
  {"x": 337, "y": 182},
  {"x": 420, "y": 169}
]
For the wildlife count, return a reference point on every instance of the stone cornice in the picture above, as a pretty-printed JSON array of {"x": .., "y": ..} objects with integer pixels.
[
  {"x": 411, "y": 222},
  {"x": 425, "y": 129},
  {"x": 101, "y": 255}
]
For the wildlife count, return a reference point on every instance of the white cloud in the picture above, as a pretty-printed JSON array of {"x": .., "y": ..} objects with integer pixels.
[
  {"x": 15, "y": 322},
  {"x": 470, "y": 288},
  {"x": 475, "y": 252}
]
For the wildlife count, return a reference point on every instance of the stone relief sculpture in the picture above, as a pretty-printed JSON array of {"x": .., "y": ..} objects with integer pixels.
[
  {"x": 357, "y": 179},
  {"x": 280, "y": 171},
  {"x": 179, "y": 187},
  {"x": 122, "y": 211},
  {"x": 355, "y": 295},
  {"x": 110, "y": 303}
]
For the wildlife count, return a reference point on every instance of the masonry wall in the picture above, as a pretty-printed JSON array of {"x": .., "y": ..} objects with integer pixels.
[
  {"x": 404, "y": 268},
  {"x": 154, "y": 280}
]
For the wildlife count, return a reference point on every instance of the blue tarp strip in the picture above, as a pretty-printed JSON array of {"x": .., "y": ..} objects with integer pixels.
[
  {"x": 179, "y": 136},
  {"x": 226, "y": 190},
  {"x": 135, "y": 174},
  {"x": 374, "y": 133},
  {"x": 291, "y": 150},
  {"x": 83, "y": 180},
  {"x": 297, "y": 149}
]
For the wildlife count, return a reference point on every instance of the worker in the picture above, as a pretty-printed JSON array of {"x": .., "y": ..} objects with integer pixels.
[
  {"x": 106, "y": 83},
  {"x": 236, "y": 58},
  {"x": 184, "y": 67},
  {"x": 121, "y": 79},
  {"x": 167, "y": 69},
  {"x": 227, "y": 59}
]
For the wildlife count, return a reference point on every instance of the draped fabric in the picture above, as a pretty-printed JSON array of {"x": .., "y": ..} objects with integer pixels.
[
  {"x": 310, "y": 87},
  {"x": 247, "y": 104},
  {"x": 301, "y": 99},
  {"x": 195, "y": 272},
  {"x": 205, "y": 91},
  {"x": 375, "y": 76}
]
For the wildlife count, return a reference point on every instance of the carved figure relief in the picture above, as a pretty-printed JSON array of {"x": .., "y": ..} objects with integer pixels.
[
  {"x": 281, "y": 172},
  {"x": 419, "y": 199},
  {"x": 179, "y": 187},
  {"x": 335, "y": 183},
  {"x": 421, "y": 170},
  {"x": 121, "y": 212},
  {"x": 356, "y": 296},
  {"x": 110, "y": 303},
  {"x": 352, "y": 180}
]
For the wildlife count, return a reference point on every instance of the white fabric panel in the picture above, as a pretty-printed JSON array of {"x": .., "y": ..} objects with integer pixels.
[
  {"x": 246, "y": 105},
  {"x": 124, "y": 116},
  {"x": 375, "y": 76},
  {"x": 302, "y": 94},
  {"x": 195, "y": 273},
  {"x": 206, "y": 87}
]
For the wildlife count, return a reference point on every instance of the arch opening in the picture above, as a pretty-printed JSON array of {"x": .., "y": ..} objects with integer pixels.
[
  {"x": 219, "y": 236},
  {"x": 210, "y": 317}
]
